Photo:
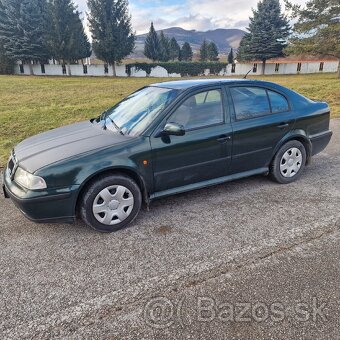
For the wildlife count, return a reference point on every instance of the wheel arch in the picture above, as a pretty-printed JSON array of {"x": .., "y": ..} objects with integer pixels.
[
  {"x": 301, "y": 137},
  {"x": 119, "y": 170}
]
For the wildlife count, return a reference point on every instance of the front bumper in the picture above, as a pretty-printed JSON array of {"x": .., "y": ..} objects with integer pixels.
[{"x": 45, "y": 206}]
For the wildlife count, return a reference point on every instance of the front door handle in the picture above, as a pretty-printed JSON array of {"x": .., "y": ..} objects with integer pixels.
[
  {"x": 223, "y": 139},
  {"x": 283, "y": 125}
]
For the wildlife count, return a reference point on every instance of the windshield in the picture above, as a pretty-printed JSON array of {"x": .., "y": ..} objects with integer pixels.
[{"x": 136, "y": 112}]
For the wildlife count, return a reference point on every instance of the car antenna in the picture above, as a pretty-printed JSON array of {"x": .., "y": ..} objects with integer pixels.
[{"x": 245, "y": 77}]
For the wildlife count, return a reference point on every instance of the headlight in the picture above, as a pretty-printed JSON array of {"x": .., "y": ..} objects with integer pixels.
[{"x": 28, "y": 180}]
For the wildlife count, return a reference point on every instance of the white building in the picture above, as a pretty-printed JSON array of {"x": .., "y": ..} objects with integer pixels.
[{"x": 279, "y": 66}]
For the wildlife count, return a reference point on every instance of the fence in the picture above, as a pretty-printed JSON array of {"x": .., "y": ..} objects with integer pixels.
[{"x": 236, "y": 69}]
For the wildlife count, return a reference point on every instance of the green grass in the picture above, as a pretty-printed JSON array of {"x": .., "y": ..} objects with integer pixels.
[{"x": 29, "y": 105}]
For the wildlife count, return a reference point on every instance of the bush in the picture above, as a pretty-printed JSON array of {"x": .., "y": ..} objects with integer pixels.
[{"x": 183, "y": 68}]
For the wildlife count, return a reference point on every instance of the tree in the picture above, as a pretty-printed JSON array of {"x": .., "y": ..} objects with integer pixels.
[
  {"x": 174, "y": 49},
  {"x": 186, "y": 52},
  {"x": 212, "y": 51},
  {"x": 317, "y": 29},
  {"x": 151, "y": 47},
  {"x": 6, "y": 64},
  {"x": 230, "y": 58},
  {"x": 164, "y": 48},
  {"x": 22, "y": 31},
  {"x": 66, "y": 38},
  {"x": 82, "y": 48},
  {"x": 267, "y": 33},
  {"x": 4, "y": 23},
  {"x": 204, "y": 51},
  {"x": 110, "y": 26}
]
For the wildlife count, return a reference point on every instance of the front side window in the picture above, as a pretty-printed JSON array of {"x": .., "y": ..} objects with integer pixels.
[
  {"x": 200, "y": 110},
  {"x": 136, "y": 112},
  {"x": 250, "y": 102}
]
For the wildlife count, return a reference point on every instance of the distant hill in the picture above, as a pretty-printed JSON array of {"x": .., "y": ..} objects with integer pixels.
[{"x": 223, "y": 38}]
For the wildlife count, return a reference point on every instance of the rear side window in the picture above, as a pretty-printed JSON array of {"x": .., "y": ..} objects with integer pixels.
[
  {"x": 250, "y": 102},
  {"x": 278, "y": 102}
]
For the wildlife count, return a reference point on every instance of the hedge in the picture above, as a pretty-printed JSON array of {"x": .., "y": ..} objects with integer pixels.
[{"x": 183, "y": 68}]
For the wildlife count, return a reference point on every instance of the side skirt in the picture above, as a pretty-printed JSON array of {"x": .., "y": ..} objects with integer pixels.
[{"x": 208, "y": 183}]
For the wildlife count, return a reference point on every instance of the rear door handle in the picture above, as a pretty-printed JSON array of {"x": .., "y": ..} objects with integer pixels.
[
  {"x": 283, "y": 125},
  {"x": 223, "y": 139}
]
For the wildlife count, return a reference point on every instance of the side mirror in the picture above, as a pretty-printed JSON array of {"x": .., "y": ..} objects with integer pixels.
[{"x": 174, "y": 129}]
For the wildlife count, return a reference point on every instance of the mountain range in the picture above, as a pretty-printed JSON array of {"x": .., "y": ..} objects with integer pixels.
[{"x": 223, "y": 38}]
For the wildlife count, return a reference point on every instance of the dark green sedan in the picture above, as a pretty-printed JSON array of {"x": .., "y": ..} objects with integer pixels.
[{"x": 161, "y": 140}]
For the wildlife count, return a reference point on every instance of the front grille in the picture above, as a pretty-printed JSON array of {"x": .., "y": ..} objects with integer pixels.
[{"x": 11, "y": 165}]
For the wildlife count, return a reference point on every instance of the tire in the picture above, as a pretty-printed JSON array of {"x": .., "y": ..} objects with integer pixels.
[
  {"x": 110, "y": 203},
  {"x": 288, "y": 163}
]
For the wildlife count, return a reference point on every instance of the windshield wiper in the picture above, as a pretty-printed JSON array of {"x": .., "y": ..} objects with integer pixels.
[
  {"x": 102, "y": 118},
  {"x": 116, "y": 126}
]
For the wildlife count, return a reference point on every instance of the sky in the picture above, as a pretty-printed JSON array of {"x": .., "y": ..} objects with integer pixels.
[{"x": 201, "y": 15}]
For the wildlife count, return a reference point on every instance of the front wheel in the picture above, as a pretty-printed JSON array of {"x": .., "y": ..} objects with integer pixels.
[
  {"x": 110, "y": 203},
  {"x": 289, "y": 162}
]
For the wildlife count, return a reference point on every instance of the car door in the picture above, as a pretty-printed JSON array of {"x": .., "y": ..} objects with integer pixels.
[
  {"x": 204, "y": 152},
  {"x": 261, "y": 118}
]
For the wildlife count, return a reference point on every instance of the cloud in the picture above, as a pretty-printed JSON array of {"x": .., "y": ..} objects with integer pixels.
[
  {"x": 223, "y": 13},
  {"x": 189, "y": 14}
]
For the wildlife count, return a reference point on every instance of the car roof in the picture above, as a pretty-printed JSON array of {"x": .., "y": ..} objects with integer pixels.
[
  {"x": 186, "y": 84},
  {"x": 183, "y": 85}
]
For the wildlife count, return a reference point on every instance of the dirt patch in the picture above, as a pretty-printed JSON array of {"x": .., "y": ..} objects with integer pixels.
[{"x": 164, "y": 230}]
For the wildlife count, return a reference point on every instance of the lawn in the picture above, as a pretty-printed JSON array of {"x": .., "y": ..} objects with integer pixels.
[{"x": 29, "y": 105}]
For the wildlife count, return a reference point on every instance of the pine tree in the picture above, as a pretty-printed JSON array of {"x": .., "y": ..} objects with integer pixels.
[
  {"x": 82, "y": 45},
  {"x": 174, "y": 49},
  {"x": 267, "y": 33},
  {"x": 186, "y": 52},
  {"x": 3, "y": 38},
  {"x": 151, "y": 47},
  {"x": 204, "y": 51},
  {"x": 231, "y": 57},
  {"x": 212, "y": 51},
  {"x": 66, "y": 38},
  {"x": 4, "y": 23},
  {"x": 317, "y": 29},
  {"x": 245, "y": 45},
  {"x": 23, "y": 31},
  {"x": 164, "y": 48},
  {"x": 6, "y": 64},
  {"x": 110, "y": 25}
]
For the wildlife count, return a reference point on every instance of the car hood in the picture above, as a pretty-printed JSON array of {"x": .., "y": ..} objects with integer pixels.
[{"x": 52, "y": 146}]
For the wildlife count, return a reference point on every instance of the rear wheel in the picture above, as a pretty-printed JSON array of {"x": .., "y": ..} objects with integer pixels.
[
  {"x": 110, "y": 203},
  {"x": 289, "y": 162}
]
